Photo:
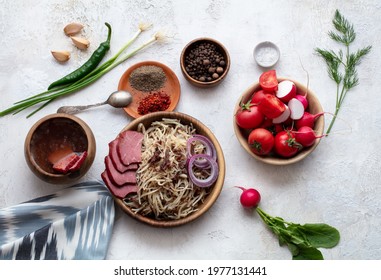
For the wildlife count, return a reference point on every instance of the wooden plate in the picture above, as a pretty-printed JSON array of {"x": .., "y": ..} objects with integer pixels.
[
  {"x": 314, "y": 107},
  {"x": 171, "y": 87},
  {"x": 215, "y": 189}
]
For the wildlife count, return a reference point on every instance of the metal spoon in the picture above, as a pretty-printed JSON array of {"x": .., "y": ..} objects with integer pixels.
[{"x": 117, "y": 99}]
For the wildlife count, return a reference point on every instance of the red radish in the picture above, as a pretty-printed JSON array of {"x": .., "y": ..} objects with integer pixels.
[
  {"x": 297, "y": 109},
  {"x": 302, "y": 99},
  {"x": 271, "y": 106},
  {"x": 307, "y": 119},
  {"x": 286, "y": 91},
  {"x": 250, "y": 198},
  {"x": 283, "y": 117},
  {"x": 306, "y": 136}
]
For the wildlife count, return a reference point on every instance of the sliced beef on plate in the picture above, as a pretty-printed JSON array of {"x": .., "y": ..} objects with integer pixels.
[
  {"x": 117, "y": 191},
  {"x": 113, "y": 154},
  {"x": 118, "y": 178},
  {"x": 129, "y": 147}
]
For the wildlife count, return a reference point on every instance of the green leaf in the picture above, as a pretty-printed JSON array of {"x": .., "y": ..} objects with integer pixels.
[
  {"x": 297, "y": 236},
  {"x": 293, "y": 249},
  {"x": 320, "y": 235},
  {"x": 308, "y": 253}
]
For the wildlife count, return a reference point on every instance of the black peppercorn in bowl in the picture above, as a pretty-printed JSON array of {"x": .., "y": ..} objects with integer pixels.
[{"x": 204, "y": 62}]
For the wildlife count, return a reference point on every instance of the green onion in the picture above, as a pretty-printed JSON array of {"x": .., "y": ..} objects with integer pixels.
[{"x": 50, "y": 95}]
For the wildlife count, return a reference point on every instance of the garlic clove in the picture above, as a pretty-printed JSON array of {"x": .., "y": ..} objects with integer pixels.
[
  {"x": 80, "y": 43},
  {"x": 61, "y": 56},
  {"x": 73, "y": 28}
]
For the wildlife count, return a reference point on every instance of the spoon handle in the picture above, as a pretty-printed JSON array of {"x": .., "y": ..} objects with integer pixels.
[{"x": 76, "y": 109}]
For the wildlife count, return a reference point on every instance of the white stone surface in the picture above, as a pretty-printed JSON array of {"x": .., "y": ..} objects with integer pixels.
[{"x": 338, "y": 184}]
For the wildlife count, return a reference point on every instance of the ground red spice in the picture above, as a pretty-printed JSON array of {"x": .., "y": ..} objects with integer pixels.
[{"x": 154, "y": 102}]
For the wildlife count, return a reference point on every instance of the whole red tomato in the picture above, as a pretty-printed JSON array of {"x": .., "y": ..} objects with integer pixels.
[
  {"x": 249, "y": 116},
  {"x": 261, "y": 141},
  {"x": 285, "y": 144},
  {"x": 257, "y": 97},
  {"x": 269, "y": 81}
]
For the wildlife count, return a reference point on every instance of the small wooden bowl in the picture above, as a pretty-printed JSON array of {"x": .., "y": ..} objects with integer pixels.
[
  {"x": 216, "y": 188},
  {"x": 191, "y": 45},
  {"x": 314, "y": 107},
  {"x": 53, "y": 132}
]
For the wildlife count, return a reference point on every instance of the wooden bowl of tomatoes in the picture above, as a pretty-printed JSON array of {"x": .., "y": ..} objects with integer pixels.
[{"x": 278, "y": 120}]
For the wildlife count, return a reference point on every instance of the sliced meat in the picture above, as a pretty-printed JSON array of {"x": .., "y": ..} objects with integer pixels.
[
  {"x": 64, "y": 164},
  {"x": 113, "y": 154},
  {"x": 129, "y": 147},
  {"x": 59, "y": 154},
  {"x": 118, "y": 178},
  {"x": 120, "y": 192},
  {"x": 77, "y": 165}
]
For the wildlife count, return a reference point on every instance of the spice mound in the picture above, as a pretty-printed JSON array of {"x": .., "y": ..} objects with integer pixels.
[
  {"x": 154, "y": 102},
  {"x": 205, "y": 62},
  {"x": 147, "y": 78}
]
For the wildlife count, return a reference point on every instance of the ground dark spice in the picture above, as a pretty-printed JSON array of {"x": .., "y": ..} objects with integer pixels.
[
  {"x": 147, "y": 78},
  {"x": 154, "y": 102}
]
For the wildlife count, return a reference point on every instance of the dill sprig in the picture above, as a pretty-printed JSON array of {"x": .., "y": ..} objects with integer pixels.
[{"x": 341, "y": 65}]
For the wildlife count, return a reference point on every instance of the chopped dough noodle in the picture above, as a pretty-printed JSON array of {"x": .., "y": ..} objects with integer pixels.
[{"x": 165, "y": 192}]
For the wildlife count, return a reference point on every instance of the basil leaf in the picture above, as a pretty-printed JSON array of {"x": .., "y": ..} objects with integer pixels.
[
  {"x": 308, "y": 253},
  {"x": 320, "y": 235}
]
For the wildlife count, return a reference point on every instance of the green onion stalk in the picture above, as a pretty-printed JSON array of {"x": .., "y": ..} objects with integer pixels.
[{"x": 50, "y": 95}]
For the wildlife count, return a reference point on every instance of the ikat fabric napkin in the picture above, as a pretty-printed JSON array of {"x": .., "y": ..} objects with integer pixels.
[{"x": 74, "y": 223}]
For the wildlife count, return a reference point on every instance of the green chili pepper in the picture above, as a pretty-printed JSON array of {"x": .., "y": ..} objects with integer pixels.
[{"x": 88, "y": 66}]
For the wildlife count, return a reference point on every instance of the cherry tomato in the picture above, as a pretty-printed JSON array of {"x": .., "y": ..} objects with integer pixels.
[
  {"x": 285, "y": 144},
  {"x": 268, "y": 81},
  {"x": 271, "y": 106},
  {"x": 257, "y": 97},
  {"x": 261, "y": 141},
  {"x": 249, "y": 116}
]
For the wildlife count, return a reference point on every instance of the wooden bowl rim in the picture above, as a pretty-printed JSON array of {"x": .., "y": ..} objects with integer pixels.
[
  {"x": 319, "y": 125},
  {"x": 225, "y": 54},
  {"x": 218, "y": 185},
  {"x": 172, "y": 83},
  {"x": 59, "y": 178}
]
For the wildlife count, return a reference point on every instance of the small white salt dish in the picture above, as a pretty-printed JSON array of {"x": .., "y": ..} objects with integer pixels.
[{"x": 266, "y": 54}]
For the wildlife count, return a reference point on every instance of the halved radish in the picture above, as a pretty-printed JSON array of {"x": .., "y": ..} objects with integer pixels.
[
  {"x": 283, "y": 117},
  {"x": 302, "y": 99},
  {"x": 286, "y": 91},
  {"x": 296, "y": 108}
]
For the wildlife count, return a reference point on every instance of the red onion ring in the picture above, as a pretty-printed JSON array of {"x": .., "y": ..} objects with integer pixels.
[
  {"x": 209, "y": 150},
  {"x": 212, "y": 163}
]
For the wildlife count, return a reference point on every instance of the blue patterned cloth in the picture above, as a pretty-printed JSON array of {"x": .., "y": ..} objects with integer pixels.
[{"x": 73, "y": 224}]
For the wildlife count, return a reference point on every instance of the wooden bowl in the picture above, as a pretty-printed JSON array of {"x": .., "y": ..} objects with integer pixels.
[
  {"x": 54, "y": 132},
  {"x": 314, "y": 107},
  {"x": 216, "y": 188},
  {"x": 193, "y": 44}
]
